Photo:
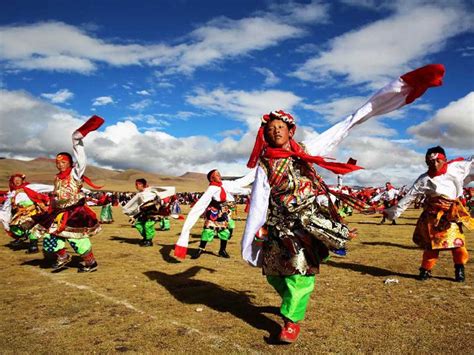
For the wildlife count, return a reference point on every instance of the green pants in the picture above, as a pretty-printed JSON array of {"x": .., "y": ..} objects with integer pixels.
[
  {"x": 53, "y": 244},
  {"x": 295, "y": 291},
  {"x": 207, "y": 235},
  {"x": 146, "y": 229},
  {"x": 165, "y": 224},
  {"x": 20, "y": 233}
]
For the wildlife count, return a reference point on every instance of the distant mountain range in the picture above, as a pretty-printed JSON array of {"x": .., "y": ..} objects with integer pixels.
[{"x": 42, "y": 170}]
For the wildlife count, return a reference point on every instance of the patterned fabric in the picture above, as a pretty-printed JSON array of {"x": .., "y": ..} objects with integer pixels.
[
  {"x": 76, "y": 222},
  {"x": 300, "y": 231},
  {"x": 439, "y": 226},
  {"x": 67, "y": 192},
  {"x": 217, "y": 215},
  {"x": 53, "y": 244}
]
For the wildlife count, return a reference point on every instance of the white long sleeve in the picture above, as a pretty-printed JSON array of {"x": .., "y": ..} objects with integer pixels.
[
  {"x": 133, "y": 206},
  {"x": 79, "y": 156},
  {"x": 257, "y": 216},
  {"x": 239, "y": 186},
  {"x": 449, "y": 184},
  {"x": 197, "y": 210},
  {"x": 6, "y": 212},
  {"x": 389, "y": 98}
]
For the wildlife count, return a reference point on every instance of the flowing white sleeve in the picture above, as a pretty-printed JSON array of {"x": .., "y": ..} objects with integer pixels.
[
  {"x": 133, "y": 206},
  {"x": 197, "y": 210},
  {"x": 239, "y": 186},
  {"x": 79, "y": 155},
  {"x": 6, "y": 213},
  {"x": 257, "y": 216},
  {"x": 463, "y": 170},
  {"x": 41, "y": 188},
  {"x": 389, "y": 98},
  {"x": 417, "y": 189}
]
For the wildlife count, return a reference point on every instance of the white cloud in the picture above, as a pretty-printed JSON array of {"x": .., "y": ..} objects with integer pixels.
[
  {"x": 270, "y": 78},
  {"x": 245, "y": 106},
  {"x": 141, "y": 105},
  {"x": 335, "y": 110},
  {"x": 143, "y": 93},
  {"x": 102, "y": 101},
  {"x": 46, "y": 129},
  {"x": 61, "y": 47},
  {"x": 59, "y": 96},
  {"x": 451, "y": 126},
  {"x": 387, "y": 47},
  {"x": 293, "y": 12}
]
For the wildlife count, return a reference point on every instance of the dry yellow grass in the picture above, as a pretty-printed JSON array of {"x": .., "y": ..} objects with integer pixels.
[{"x": 143, "y": 300}]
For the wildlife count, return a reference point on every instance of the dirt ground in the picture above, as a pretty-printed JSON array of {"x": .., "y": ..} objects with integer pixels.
[{"x": 143, "y": 300}]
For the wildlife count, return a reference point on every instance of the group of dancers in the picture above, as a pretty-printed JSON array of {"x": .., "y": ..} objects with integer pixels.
[{"x": 288, "y": 232}]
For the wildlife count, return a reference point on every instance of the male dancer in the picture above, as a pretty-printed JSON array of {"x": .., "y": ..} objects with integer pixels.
[
  {"x": 215, "y": 203},
  {"x": 144, "y": 209},
  {"x": 439, "y": 226}
]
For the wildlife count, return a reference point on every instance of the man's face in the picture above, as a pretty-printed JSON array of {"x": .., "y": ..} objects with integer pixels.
[
  {"x": 139, "y": 186},
  {"x": 216, "y": 177},
  {"x": 62, "y": 164},
  {"x": 277, "y": 133},
  {"x": 434, "y": 163},
  {"x": 17, "y": 181}
]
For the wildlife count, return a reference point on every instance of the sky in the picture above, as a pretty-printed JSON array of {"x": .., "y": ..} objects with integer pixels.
[{"x": 182, "y": 84}]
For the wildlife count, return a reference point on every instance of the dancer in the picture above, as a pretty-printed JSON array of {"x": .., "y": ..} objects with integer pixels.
[
  {"x": 144, "y": 209},
  {"x": 106, "y": 211},
  {"x": 291, "y": 242},
  {"x": 69, "y": 218},
  {"x": 439, "y": 226},
  {"x": 388, "y": 198},
  {"x": 215, "y": 202},
  {"x": 24, "y": 201}
]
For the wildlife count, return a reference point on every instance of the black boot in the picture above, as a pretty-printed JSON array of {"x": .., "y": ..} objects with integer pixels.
[
  {"x": 459, "y": 274},
  {"x": 222, "y": 252},
  {"x": 33, "y": 247},
  {"x": 146, "y": 243},
  {"x": 382, "y": 221},
  {"x": 394, "y": 223},
  {"x": 202, "y": 247},
  {"x": 424, "y": 274}
]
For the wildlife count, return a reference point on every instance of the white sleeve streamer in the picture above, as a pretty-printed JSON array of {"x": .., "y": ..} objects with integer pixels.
[{"x": 257, "y": 216}]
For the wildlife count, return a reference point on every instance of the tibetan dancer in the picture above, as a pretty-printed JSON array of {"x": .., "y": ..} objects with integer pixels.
[
  {"x": 440, "y": 224},
  {"x": 287, "y": 232},
  {"x": 24, "y": 201},
  {"x": 69, "y": 218},
  {"x": 215, "y": 203},
  {"x": 106, "y": 210},
  {"x": 388, "y": 198},
  {"x": 144, "y": 209}
]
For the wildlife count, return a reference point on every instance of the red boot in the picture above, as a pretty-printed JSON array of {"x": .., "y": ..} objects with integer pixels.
[{"x": 289, "y": 333}]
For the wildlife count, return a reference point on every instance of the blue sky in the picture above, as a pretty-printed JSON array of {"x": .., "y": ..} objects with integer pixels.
[{"x": 182, "y": 84}]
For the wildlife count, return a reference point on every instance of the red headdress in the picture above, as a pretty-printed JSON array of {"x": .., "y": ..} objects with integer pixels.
[{"x": 261, "y": 147}]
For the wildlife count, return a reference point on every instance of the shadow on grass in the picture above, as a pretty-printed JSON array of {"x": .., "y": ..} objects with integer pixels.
[
  {"x": 389, "y": 244},
  {"x": 377, "y": 271},
  {"x": 370, "y": 270},
  {"x": 187, "y": 290},
  {"x": 166, "y": 252},
  {"x": 47, "y": 262},
  {"x": 125, "y": 240}
]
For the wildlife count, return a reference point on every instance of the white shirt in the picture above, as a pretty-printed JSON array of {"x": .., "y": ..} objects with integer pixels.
[
  {"x": 148, "y": 194},
  {"x": 449, "y": 184},
  {"x": 230, "y": 187}
]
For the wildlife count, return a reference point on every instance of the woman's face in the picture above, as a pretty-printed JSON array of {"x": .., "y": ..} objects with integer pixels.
[
  {"x": 17, "y": 181},
  {"x": 62, "y": 165},
  {"x": 277, "y": 133}
]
